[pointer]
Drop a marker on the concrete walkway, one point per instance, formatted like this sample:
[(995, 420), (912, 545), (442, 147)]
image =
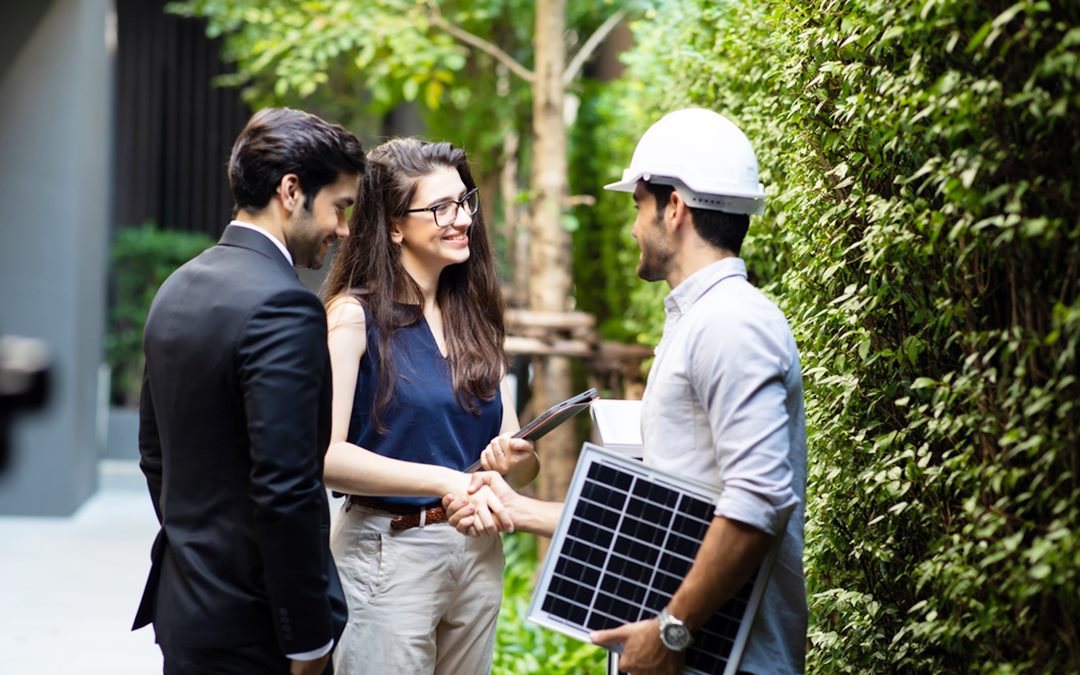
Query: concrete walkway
[(69, 587)]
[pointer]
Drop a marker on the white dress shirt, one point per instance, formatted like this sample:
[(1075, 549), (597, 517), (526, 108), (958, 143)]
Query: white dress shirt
[(724, 405), (265, 233)]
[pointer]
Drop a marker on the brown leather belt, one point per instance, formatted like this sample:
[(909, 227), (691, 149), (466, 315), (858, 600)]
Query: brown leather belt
[(405, 517)]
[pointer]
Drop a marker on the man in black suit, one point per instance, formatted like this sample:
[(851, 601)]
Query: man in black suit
[(235, 417)]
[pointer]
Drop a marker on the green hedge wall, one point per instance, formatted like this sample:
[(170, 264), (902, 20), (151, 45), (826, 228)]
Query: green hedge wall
[(142, 258), (923, 237)]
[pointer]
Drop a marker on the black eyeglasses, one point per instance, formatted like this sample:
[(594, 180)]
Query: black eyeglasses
[(446, 212)]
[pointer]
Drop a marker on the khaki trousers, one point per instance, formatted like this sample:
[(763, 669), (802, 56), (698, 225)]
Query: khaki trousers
[(421, 601)]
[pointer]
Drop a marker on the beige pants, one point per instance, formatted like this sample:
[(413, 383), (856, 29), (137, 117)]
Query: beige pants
[(421, 601)]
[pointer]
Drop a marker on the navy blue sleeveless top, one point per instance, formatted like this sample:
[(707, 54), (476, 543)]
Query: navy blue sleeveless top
[(423, 420)]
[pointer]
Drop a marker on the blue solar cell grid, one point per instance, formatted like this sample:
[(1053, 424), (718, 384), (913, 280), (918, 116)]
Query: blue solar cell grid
[(630, 540)]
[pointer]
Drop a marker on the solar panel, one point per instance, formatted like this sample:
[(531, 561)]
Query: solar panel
[(627, 538)]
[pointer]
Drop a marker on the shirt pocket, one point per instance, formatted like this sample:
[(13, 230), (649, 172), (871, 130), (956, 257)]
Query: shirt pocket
[(669, 423)]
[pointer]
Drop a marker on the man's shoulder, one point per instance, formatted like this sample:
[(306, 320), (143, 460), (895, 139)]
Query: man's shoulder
[(226, 281), (735, 302), (733, 323), (247, 272)]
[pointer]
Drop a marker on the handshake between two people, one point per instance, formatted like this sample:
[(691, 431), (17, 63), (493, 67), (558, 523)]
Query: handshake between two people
[(485, 509), (480, 497), (489, 504)]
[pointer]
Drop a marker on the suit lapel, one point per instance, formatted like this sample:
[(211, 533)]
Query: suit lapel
[(242, 237)]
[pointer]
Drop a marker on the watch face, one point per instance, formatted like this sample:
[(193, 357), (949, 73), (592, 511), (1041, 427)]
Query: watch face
[(676, 636)]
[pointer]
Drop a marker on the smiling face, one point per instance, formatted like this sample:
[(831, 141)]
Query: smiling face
[(424, 245), (311, 232), (657, 250)]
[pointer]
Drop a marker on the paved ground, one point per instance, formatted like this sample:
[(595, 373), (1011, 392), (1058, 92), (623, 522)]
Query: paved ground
[(69, 586)]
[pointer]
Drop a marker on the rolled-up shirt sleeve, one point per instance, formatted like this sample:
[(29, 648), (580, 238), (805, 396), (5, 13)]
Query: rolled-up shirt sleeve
[(739, 376)]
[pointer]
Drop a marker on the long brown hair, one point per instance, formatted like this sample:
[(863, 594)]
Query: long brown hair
[(368, 266)]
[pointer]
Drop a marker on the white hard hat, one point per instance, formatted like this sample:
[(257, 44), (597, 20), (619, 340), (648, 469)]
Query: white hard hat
[(704, 156)]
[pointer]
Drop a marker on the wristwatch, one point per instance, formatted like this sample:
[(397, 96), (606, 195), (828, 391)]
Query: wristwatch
[(673, 632)]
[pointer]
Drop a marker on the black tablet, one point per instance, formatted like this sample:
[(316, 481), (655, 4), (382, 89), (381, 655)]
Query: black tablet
[(551, 418)]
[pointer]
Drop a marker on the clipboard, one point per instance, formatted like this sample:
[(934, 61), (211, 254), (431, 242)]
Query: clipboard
[(617, 423), (551, 418)]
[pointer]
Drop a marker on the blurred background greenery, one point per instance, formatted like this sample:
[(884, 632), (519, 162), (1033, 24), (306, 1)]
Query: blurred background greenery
[(142, 258)]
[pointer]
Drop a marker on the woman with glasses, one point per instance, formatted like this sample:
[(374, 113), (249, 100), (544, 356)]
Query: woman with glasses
[(416, 334)]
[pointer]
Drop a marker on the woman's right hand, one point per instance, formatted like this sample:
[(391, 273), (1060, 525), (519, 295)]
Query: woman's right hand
[(490, 516), (463, 510), (487, 512)]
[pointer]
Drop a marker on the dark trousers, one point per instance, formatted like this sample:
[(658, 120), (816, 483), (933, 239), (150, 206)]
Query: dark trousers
[(259, 659)]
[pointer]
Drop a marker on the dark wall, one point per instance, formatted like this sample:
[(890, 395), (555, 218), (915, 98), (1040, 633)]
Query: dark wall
[(174, 128)]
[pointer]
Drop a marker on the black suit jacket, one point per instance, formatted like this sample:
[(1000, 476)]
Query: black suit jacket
[(234, 423)]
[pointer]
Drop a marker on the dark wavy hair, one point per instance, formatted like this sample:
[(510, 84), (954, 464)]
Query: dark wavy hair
[(722, 230), (277, 141), (368, 267)]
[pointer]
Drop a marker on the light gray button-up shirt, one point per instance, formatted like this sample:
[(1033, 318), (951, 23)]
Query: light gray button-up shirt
[(724, 405)]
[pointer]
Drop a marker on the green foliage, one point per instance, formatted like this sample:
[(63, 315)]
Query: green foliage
[(922, 236), (355, 60), (605, 256), (142, 258), (522, 648), (290, 47)]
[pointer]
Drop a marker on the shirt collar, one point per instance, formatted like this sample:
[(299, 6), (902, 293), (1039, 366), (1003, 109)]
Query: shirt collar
[(265, 233), (683, 297)]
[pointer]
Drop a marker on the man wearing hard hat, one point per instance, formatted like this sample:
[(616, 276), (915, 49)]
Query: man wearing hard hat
[(724, 400)]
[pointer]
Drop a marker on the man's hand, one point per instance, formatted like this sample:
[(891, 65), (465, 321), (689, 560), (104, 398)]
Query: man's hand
[(489, 516), (504, 453), (643, 653), (313, 667), (464, 513)]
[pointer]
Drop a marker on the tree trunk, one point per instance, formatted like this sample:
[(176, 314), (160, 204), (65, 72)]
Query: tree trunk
[(514, 229), (549, 242)]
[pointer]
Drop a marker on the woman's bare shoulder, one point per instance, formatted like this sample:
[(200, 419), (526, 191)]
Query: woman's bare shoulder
[(345, 309)]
